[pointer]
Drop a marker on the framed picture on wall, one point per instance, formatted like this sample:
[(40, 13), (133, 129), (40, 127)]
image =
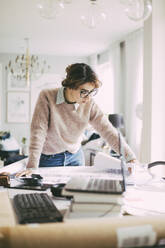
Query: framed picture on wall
[(18, 107), (16, 84)]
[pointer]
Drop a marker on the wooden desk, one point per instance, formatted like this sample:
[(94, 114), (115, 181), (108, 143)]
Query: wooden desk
[(87, 232)]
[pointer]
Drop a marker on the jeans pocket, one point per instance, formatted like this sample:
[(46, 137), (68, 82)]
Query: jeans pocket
[(51, 160), (46, 157)]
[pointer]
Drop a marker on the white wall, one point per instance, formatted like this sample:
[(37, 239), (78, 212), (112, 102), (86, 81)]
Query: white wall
[(158, 86), (19, 130), (154, 85), (0, 96)]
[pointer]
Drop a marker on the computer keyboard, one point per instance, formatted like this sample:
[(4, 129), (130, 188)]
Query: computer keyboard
[(104, 185), (95, 184), (36, 208)]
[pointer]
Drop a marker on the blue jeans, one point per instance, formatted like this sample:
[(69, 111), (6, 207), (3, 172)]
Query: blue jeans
[(62, 159)]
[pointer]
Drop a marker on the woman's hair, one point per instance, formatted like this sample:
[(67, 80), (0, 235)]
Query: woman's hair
[(78, 74)]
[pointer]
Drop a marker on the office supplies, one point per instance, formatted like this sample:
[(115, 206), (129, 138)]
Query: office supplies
[(15, 185), (33, 180), (36, 208), (56, 189)]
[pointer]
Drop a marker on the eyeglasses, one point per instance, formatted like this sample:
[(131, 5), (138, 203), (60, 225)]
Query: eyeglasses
[(85, 93)]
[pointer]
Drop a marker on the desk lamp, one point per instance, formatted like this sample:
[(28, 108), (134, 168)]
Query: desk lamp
[(117, 121)]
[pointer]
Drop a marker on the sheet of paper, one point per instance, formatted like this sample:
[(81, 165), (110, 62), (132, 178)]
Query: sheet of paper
[(105, 161), (146, 199)]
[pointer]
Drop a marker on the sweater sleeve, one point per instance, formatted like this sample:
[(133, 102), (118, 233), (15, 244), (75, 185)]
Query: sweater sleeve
[(39, 127), (103, 126)]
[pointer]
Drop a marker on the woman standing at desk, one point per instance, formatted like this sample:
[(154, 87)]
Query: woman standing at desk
[(61, 116)]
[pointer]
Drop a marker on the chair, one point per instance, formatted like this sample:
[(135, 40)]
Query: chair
[(117, 120)]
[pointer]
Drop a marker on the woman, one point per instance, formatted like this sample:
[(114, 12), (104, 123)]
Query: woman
[(61, 116)]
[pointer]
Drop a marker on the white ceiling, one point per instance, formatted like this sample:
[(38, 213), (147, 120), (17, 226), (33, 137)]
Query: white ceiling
[(64, 35)]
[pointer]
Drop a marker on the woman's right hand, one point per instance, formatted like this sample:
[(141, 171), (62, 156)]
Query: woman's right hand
[(26, 172)]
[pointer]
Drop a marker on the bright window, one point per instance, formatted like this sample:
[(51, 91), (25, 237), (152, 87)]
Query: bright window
[(105, 96)]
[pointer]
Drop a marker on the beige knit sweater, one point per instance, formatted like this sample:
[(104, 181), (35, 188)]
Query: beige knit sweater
[(58, 126)]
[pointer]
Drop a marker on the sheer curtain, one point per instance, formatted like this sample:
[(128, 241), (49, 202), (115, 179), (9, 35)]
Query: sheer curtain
[(133, 88), (120, 69), (108, 70)]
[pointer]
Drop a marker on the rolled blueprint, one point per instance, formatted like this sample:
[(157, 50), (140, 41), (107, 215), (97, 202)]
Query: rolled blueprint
[(88, 233)]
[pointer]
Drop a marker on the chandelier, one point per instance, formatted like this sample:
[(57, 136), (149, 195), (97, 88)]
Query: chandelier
[(94, 15), (50, 9), (136, 10), (27, 67)]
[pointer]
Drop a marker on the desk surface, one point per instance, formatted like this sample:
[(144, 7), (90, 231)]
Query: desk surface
[(82, 229), (62, 175)]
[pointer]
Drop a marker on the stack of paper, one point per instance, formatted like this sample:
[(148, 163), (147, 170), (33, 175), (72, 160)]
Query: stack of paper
[(104, 161), (93, 210), (147, 199), (80, 197), (96, 207)]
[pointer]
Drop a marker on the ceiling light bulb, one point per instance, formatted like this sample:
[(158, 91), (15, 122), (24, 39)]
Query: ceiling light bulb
[(94, 15), (49, 9), (137, 10)]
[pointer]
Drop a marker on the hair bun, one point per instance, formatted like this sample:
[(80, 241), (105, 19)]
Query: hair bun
[(78, 74), (68, 69), (64, 83)]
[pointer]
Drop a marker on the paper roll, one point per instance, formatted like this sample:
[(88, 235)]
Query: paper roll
[(7, 217), (88, 233)]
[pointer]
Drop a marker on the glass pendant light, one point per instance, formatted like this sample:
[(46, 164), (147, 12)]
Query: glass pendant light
[(94, 15), (137, 10), (67, 1), (50, 9)]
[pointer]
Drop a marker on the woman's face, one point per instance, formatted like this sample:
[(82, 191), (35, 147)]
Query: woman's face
[(84, 92)]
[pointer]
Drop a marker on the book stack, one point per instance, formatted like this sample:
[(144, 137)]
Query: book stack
[(91, 200), (86, 210)]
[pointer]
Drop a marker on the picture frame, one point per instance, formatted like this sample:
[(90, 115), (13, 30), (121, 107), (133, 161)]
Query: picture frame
[(14, 84), (18, 107), (47, 81)]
